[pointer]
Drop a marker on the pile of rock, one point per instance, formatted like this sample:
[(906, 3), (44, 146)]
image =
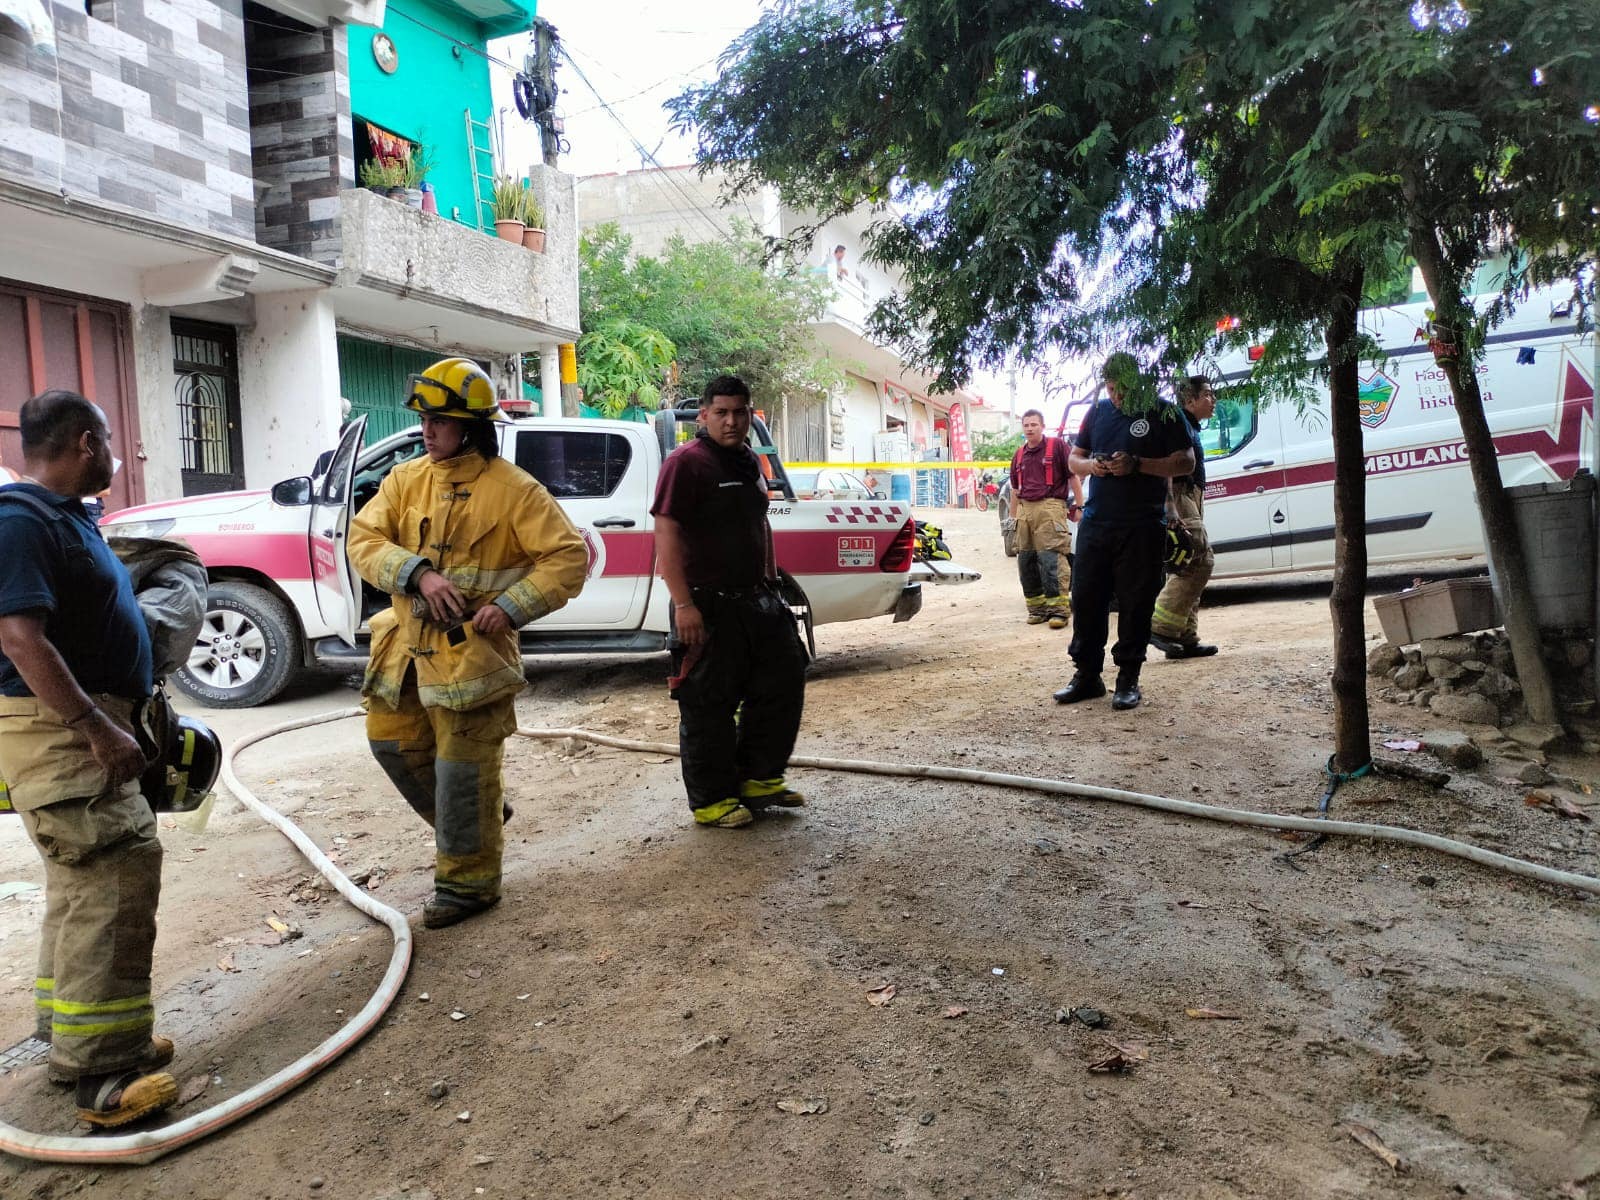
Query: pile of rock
[(1472, 677)]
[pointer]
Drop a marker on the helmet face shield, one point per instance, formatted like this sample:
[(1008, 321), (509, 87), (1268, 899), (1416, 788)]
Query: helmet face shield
[(454, 387), (428, 395)]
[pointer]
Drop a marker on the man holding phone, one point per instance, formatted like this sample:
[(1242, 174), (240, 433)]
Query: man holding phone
[(1129, 447)]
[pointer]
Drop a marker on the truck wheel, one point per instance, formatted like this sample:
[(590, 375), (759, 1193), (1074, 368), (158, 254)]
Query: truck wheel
[(247, 650)]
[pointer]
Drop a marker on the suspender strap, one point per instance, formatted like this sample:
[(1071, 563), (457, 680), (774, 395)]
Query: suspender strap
[(1049, 463)]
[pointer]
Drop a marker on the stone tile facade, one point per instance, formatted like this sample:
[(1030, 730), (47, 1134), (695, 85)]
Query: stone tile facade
[(145, 104), (300, 133)]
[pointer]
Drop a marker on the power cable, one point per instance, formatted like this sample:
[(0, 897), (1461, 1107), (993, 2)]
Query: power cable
[(666, 175)]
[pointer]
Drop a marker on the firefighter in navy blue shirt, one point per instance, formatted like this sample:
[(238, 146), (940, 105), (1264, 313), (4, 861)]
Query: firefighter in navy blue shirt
[(1128, 456), (74, 662)]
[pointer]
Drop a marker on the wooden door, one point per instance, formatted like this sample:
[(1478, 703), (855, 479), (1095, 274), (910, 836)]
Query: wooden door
[(51, 339)]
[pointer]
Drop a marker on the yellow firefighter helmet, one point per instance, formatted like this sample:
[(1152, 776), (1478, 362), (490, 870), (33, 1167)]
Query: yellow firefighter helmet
[(454, 387)]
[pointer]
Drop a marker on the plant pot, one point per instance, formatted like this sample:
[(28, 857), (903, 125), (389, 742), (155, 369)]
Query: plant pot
[(509, 231), (396, 193), (414, 198), (533, 239)]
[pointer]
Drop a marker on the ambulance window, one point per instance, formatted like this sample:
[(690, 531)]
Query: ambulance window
[(573, 464), (1229, 429)]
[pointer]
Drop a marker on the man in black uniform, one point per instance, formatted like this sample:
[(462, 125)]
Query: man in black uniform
[(736, 642), (1129, 457)]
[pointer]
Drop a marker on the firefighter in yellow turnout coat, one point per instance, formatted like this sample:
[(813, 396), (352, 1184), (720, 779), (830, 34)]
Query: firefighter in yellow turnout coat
[(471, 548)]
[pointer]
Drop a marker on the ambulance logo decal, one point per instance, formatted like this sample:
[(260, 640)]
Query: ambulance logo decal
[(1376, 399)]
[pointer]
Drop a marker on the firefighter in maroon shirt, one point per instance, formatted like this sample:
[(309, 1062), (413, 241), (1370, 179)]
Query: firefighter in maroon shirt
[(1044, 494), (735, 640)]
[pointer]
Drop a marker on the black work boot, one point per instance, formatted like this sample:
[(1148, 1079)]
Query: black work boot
[(1127, 694), (1082, 686)]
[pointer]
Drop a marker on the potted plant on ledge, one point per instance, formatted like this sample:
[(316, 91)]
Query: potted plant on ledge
[(387, 177), (508, 208), (533, 221)]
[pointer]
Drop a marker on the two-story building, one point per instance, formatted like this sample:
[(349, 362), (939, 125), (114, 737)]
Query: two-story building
[(184, 239), (885, 410)]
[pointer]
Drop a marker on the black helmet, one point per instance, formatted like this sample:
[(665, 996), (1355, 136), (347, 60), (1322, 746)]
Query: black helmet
[(184, 755)]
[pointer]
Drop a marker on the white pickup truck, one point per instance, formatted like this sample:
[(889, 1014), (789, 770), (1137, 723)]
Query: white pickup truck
[(284, 596)]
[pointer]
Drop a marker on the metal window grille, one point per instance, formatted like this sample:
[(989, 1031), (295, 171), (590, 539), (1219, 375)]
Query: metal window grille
[(205, 444)]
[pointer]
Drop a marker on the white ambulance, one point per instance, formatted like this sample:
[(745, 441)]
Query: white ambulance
[(1269, 471)]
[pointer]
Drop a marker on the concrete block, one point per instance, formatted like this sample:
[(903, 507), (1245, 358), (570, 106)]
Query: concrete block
[(1456, 649), (1466, 706), (1452, 748), (1536, 737)]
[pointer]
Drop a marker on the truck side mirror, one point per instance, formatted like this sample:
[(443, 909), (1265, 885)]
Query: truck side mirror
[(294, 493), (324, 461)]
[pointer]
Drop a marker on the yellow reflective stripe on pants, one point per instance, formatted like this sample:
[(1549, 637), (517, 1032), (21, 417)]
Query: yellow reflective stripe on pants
[(92, 1008), (105, 1028)]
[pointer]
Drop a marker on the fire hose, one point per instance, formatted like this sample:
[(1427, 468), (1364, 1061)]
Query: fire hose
[(147, 1146)]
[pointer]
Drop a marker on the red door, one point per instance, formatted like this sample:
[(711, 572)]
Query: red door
[(54, 339)]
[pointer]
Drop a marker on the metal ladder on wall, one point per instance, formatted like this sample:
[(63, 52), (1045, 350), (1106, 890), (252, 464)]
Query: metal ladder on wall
[(482, 142)]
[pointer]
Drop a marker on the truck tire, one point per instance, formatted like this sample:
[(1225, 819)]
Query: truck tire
[(247, 652)]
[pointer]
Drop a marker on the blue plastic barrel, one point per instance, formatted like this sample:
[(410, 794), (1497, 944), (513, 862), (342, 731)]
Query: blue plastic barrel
[(900, 486)]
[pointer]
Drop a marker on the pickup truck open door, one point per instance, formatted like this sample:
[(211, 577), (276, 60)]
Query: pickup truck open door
[(337, 588)]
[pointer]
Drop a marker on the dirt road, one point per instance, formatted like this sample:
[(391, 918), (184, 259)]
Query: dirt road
[(650, 993)]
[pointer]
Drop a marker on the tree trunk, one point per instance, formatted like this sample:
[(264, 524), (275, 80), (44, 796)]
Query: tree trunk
[(1352, 741), (1494, 506)]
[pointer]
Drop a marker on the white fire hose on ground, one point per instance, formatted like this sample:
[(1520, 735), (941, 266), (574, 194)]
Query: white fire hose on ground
[(148, 1146)]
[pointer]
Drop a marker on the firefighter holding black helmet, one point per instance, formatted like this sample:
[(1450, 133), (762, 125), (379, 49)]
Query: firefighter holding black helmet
[(471, 548)]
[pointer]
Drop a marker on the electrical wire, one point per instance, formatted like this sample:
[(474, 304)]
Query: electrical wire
[(648, 155)]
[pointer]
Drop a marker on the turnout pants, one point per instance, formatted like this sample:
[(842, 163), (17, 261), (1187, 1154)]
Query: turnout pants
[(1123, 561), (102, 871), (1044, 539), (447, 766), (1178, 606), (740, 697)]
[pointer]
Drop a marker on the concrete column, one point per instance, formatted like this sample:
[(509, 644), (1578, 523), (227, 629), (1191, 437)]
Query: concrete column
[(550, 381), (158, 452), (288, 385)]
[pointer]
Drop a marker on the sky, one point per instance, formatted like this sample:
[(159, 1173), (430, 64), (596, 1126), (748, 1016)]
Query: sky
[(636, 56), (623, 61)]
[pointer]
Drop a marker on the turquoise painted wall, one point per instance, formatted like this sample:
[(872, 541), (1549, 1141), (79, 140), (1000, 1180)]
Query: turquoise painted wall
[(424, 99)]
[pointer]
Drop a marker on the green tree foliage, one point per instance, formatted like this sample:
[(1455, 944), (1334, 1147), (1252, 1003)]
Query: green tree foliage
[(988, 447), (623, 364), (1017, 136), (696, 311)]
